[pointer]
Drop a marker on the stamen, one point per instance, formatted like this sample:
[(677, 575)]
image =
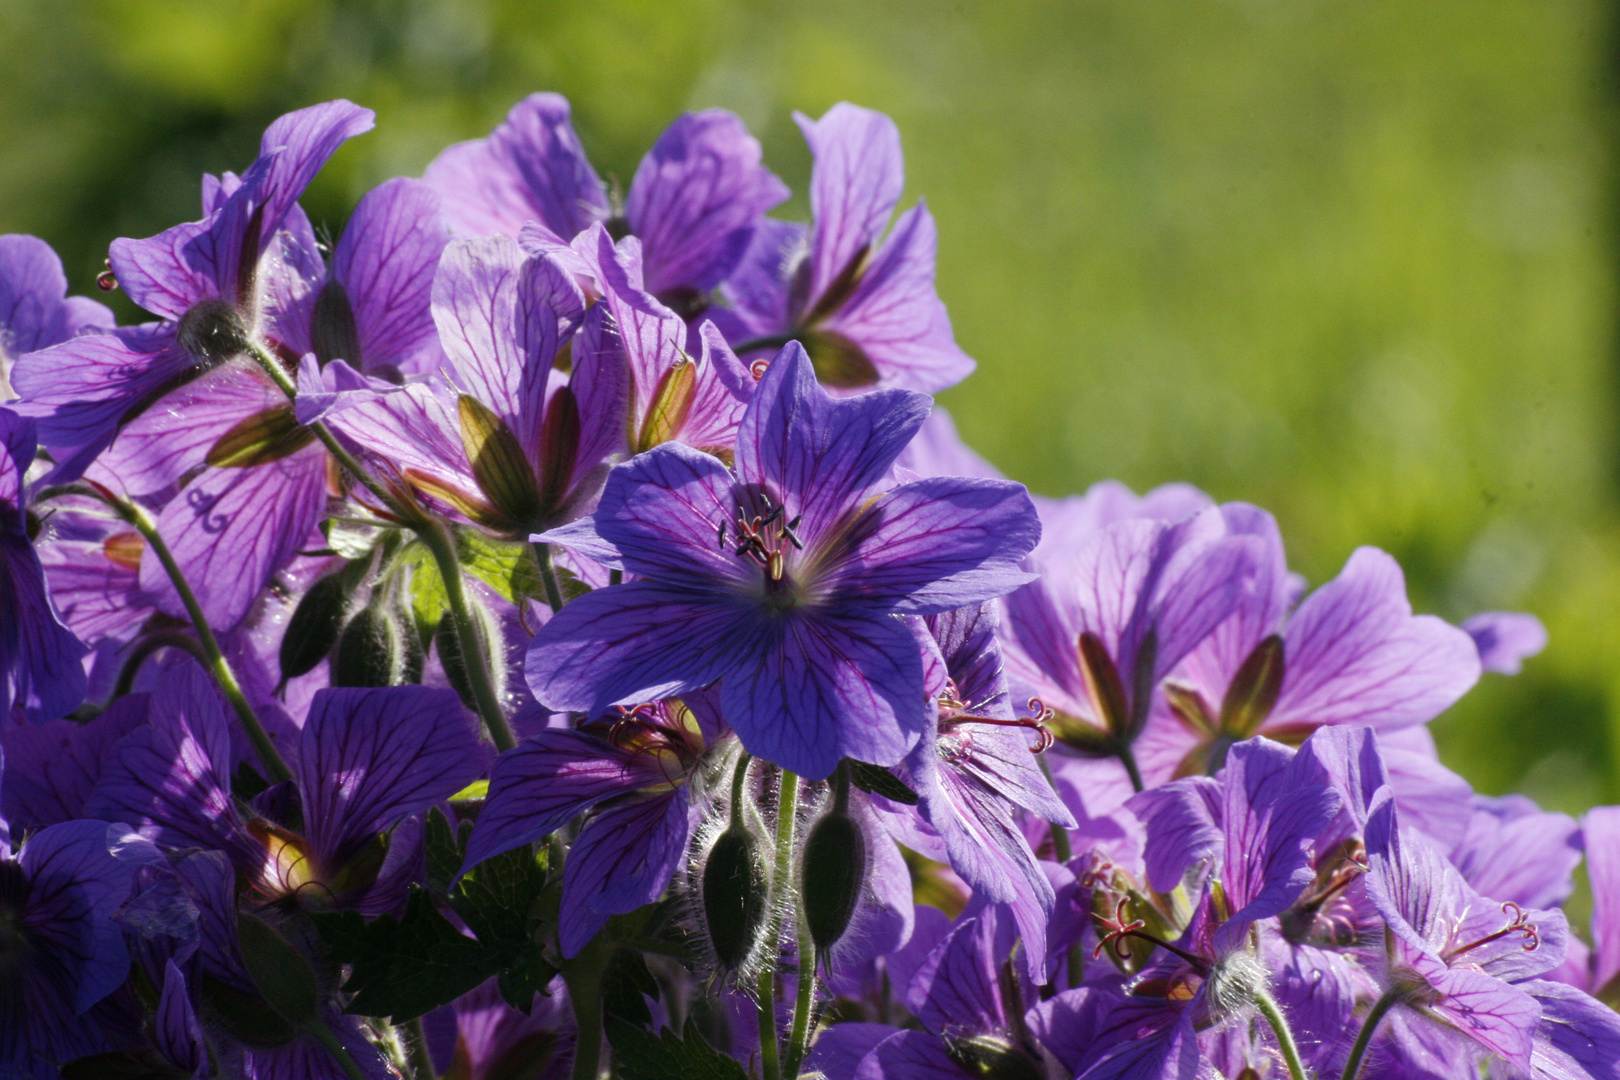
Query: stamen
[(1119, 928), (107, 281), (757, 369), (722, 533), (1520, 924)]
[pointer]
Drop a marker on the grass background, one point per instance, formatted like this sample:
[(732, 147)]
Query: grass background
[(1351, 260)]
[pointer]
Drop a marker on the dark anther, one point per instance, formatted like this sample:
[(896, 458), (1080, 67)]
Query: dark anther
[(722, 534)]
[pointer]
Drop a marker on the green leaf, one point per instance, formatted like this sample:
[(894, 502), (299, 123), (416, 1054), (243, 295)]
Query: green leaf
[(638, 1054), (284, 978), (505, 566), (402, 968), (425, 591), (497, 898), (626, 985), (879, 781), (445, 851)]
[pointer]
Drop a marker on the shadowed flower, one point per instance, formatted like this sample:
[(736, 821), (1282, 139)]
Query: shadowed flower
[(35, 310)]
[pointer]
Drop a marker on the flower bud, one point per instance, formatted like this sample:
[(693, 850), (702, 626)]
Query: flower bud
[(832, 876), (734, 895), (314, 627), (993, 1059), (283, 977), (447, 643), (370, 651), (333, 334)]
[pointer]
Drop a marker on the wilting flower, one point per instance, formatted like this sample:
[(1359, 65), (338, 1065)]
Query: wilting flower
[(645, 763), (39, 657), (369, 760), (783, 576), (866, 311), (693, 204)]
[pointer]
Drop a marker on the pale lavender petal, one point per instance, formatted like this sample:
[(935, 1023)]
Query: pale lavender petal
[(497, 334), (915, 1055), (856, 180), (897, 319), (530, 167), (820, 454), (825, 687), (386, 261), (613, 646), (1513, 850), (758, 291), (1259, 612), (956, 988), (1578, 1037), (34, 309), (158, 273), (937, 544), (1499, 1017), (1183, 827), (623, 859), (601, 385), (413, 428), (1431, 798), (695, 199), (937, 450), (721, 396), (232, 528), (1601, 830), (369, 757), (1505, 639), (1412, 885), (1355, 653)]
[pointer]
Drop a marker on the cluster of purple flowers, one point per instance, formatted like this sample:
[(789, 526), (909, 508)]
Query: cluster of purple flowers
[(550, 632)]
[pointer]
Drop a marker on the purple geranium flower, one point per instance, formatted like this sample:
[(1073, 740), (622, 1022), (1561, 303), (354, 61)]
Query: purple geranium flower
[(505, 438), (35, 310), (60, 950), (1351, 653), (40, 666), (1505, 639), (369, 761), (867, 312), (784, 576), (647, 761), (974, 771), (694, 202), (1115, 611)]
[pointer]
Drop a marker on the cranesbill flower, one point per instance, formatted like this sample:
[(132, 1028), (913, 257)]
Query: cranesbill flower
[(35, 310), (975, 770), (783, 577), (694, 202), (1351, 653), (1115, 611), (369, 760), (60, 950), (505, 439), (866, 311), (1505, 639), (212, 283), (648, 761), (39, 657)]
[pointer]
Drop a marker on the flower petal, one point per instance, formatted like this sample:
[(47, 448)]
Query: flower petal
[(855, 181), (1505, 639), (624, 858), (386, 262)]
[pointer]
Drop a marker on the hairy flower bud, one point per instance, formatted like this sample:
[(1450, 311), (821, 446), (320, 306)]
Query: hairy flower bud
[(213, 330), (370, 651), (734, 895), (832, 876), (314, 627)]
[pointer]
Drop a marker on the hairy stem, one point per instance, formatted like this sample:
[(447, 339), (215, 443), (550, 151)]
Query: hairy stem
[(322, 1033), (787, 810), (215, 661), (1285, 1035), (1352, 1064), (416, 1050), (548, 574), (800, 1034), (436, 536)]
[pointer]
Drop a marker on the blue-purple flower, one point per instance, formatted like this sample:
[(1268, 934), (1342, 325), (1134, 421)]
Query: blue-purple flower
[(784, 576)]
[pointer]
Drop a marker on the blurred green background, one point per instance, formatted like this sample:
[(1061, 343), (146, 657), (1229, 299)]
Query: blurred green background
[(1353, 261)]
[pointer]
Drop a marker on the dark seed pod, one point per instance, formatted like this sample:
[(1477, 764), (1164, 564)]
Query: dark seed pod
[(993, 1059), (370, 651), (734, 896), (314, 626), (213, 330), (832, 875), (448, 645)]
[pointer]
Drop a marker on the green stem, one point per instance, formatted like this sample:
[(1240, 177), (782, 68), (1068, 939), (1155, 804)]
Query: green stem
[(216, 663), (787, 811), (583, 976), (436, 536), (1285, 1035), (322, 1034), (548, 574), (1352, 1064), (1128, 759), (416, 1050), (801, 1005)]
